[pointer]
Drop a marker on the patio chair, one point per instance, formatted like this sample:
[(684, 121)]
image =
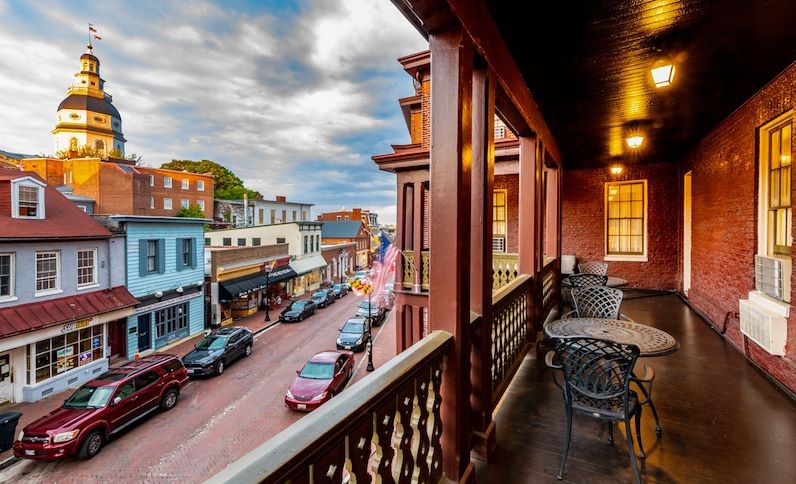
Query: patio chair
[(596, 302), (593, 267), (581, 280), (597, 375)]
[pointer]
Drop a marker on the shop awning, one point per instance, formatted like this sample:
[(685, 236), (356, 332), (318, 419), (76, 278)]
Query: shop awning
[(308, 264), (235, 288), (38, 315)]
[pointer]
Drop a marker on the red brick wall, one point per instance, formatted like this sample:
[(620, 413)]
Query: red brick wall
[(724, 228), (176, 193), (583, 219), (511, 183)]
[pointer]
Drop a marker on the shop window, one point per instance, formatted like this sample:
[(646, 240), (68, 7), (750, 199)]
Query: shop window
[(152, 256), (62, 353), (86, 267), (6, 276), (171, 322), (256, 241), (47, 268), (626, 219)]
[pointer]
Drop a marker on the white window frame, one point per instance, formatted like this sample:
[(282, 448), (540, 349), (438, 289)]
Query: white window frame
[(201, 204), (11, 296), (53, 290), (503, 242), (643, 257), (94, 280), (152, 180), (186, 184), (200, 185), (28, 182), (152, 203), (185, 203), (167, 205), (166, 182)]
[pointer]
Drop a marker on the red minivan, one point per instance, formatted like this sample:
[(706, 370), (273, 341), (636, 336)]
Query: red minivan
[(102, 407)]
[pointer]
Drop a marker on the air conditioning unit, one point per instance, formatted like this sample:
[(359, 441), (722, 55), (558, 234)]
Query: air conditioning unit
[(769, 277), (764, 327)]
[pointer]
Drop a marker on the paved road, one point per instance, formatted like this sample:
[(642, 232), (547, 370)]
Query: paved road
[(216, 420)]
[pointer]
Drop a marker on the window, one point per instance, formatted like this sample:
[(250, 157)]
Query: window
[(241, 242), (303, 215), (346, 217), (171, 322), (166, 182), (151, 255), (777, 155), (201, 204), (261, 216), (273, 216), (152, 202), (499, 223), (185, 203), (200, 185), (294, 215), (99, 146), (86, 267), (83, 208), (28, 203), (207, 241), (284, 216), (47, 272), (339, 218), (145, 379), (186, 252), (6, 275), (167, 203), (317, 243), (256, 241), (227, 241), (66, 351), (280, 240), (626, 218), (152, 180), (186, 184), (306, 244)]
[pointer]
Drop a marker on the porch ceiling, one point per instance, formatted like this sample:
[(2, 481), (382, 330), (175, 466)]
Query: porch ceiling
[(587, 65)]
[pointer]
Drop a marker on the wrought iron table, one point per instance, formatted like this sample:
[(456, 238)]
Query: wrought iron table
[(650, 341), (612, 282)]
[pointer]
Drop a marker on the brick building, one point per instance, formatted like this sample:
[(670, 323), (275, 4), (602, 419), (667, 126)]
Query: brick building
[(367, 218), (343, 232)]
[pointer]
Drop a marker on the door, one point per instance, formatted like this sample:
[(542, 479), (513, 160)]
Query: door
[(686, 233), (147, 390), (116, 338), (144, 330), (234, 346), (124, 409), (6, 383)]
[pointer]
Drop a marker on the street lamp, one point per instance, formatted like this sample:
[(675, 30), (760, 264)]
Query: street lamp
[(267, 268), (340, 266)]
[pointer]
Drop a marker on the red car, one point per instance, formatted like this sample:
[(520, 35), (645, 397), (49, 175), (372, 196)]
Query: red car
[(324, 376), (102, 407)]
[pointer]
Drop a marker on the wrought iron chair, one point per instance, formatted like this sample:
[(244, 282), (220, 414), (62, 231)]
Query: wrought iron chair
[(581, 280), (593, 267), (596, 302), (597, 375)]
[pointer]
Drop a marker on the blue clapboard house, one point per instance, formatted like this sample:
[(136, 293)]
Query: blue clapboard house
[(165, 272)]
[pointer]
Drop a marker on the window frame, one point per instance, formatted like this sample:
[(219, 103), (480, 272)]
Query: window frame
[(151, 180), (167, 182), (167, 203), (27, 182), (200, 185), (186, 184), (56, 278), (185, 203), (631, 257), (94, 279), (201, 204), (768, 227), (503, 236), (11, 296)]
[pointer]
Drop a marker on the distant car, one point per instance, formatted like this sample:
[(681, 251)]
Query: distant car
[(298, 310), (340, 290), (376, 313), (324, 376), (352, 335), (216, 350), (102, 407), (358, 276), (386, 299), (323, 297)]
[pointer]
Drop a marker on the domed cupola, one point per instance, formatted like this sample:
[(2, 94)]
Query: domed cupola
[(87, 116)]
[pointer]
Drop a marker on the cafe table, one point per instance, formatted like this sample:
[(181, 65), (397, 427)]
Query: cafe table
[(612, 282)]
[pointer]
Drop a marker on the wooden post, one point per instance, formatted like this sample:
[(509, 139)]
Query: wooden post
[(528, 244), (449, 295), (417, 234)]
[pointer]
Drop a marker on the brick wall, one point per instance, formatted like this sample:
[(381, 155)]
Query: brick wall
[(583, 219), (176, 192), (724, 212), (511, 183)]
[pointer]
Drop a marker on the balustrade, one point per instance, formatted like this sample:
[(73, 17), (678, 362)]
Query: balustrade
[(409, 269), (512, 313), (505, 268)]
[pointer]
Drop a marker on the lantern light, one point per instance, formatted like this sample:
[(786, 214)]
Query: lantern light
[(663, 75), (634, 141), (616, 170)]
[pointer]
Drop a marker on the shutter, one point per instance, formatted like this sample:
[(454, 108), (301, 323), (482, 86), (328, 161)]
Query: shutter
[(178, 247), (142, 246), (161, 256), (193, 253)]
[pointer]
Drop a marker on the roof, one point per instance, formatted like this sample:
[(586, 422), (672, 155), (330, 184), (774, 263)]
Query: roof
[(15, 156), (307, 264), (342, 229), (89, 103), (326, 356), (33, 316), (62, 218)]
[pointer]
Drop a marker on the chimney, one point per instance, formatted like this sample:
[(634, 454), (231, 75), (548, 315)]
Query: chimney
[(281, 198)]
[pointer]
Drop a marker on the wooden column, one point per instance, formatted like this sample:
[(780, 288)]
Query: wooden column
[(528, 243), (449, 296), (417, 234), (539, 203), (483, 181)]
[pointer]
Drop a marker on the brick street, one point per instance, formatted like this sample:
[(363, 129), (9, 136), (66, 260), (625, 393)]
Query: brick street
[(217, 419)]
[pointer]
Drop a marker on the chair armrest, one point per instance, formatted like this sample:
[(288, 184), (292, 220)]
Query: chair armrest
[(626, 317), (570, 314), (548, 360)]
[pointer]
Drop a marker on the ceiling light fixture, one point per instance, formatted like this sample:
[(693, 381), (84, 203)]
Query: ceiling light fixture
[(634, 141), (616, 170), (662, 73)]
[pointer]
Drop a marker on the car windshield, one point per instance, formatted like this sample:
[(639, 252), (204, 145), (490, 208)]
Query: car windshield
[(337, 287), (364, 304), (354, 327), (317, 371), (298, 305), (89, 397), (319, 294), (212, 343)]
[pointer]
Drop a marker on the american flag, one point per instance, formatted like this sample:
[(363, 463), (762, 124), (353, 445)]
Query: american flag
[(383, 264)]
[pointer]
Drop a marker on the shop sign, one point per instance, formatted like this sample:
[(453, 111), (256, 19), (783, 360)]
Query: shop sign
[(69, 327), (85, 358), (65, 359), (166, 303)]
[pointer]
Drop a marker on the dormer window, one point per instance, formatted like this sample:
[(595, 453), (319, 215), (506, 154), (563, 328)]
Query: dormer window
[(27, 198)]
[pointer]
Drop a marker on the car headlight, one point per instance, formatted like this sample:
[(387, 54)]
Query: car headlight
[(319, 397), (289, 395), (21, 435), (361, 338), (65, 436)]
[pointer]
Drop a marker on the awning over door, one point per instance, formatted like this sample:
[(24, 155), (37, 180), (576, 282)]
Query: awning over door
[(241, 286)]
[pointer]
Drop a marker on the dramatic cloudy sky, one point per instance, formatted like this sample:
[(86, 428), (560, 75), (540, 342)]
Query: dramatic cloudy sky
[(293, 96)]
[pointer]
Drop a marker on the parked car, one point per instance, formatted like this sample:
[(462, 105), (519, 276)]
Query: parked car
[(377, 314), (352, 335), (298, 310), (386, 299), (216, 350), (340, 290), (102, 407), (358, 275), (324, 376), (323, 297)]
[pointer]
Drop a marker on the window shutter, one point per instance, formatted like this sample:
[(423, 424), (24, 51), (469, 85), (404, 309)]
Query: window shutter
[(161, 256), (193, 253), (142, 246), (178, 252)]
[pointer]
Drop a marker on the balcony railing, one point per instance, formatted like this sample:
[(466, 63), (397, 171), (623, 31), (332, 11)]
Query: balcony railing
[(425, 270), (512, 313), (386, 427), (410, 266), (549, 286), (505, 267)]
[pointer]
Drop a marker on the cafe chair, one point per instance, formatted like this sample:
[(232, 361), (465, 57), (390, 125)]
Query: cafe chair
[(596, 383), (581, 280), (596, 302), (593, 267)]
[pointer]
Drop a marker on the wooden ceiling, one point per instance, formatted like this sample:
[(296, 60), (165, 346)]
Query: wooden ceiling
[(587, 64)]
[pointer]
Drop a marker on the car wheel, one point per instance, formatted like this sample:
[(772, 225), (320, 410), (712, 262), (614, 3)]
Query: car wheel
[(92, 445), (220, 367), (301, 317), (248, 350), (169, 400)]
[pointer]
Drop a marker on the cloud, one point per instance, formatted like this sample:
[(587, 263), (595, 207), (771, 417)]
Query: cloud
[(294, 98)]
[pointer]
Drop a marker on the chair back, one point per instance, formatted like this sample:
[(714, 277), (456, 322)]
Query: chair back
[(596, 371), (596, 302), (593, 267), (583, 280)]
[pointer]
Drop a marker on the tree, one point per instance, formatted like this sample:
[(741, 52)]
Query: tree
[(193, 211), (84, 151), (227, 186)]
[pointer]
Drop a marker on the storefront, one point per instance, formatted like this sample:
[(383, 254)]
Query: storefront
[(242, 296), (162, 321), (308, 270)]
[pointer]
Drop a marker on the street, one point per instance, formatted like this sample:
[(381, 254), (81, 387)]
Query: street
[(217, 419)]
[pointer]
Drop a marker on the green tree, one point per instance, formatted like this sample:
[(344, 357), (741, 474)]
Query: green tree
[(193, 211), (227, 186)]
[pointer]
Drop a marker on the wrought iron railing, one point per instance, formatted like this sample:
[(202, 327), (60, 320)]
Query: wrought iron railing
[(409, 269), (425, 271), (512, 317), (505, 267), (386, 428)]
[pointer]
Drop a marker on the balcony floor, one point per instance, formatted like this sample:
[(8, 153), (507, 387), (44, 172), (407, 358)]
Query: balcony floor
[(722, 420)]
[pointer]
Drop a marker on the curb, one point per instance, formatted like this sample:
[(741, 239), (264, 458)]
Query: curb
[(267, 326), (9, 462)]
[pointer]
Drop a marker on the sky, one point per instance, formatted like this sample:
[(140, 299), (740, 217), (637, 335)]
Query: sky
[(293, 96)]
